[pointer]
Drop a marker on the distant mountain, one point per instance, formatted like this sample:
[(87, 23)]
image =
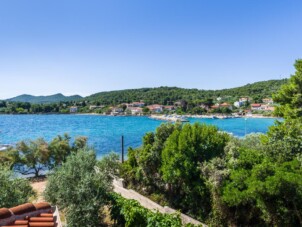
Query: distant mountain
[(44, 99)]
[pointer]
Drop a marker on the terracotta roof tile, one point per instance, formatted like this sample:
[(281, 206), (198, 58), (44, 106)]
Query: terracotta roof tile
[(5, 213), (42, 206), (24, 208), (27, 215)]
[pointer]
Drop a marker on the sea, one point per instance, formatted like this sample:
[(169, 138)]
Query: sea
[(105, 132)]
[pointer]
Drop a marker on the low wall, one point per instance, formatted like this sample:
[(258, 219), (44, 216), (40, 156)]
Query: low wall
[(149, 204)]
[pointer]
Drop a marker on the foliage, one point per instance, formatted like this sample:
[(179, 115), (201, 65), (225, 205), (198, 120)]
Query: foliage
[(290, 95), (128, 212), (189, 99), (184, 151), (80, 187), (35, 156), (264, 192), (169, 95), (14, 191), (168, 161), (109, 166)]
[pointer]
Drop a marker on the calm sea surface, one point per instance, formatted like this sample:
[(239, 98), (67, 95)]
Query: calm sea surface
[(104, 132)]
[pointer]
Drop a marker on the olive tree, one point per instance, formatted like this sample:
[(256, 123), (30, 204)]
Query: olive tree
[(13, 191), (35, 156), (80, 187)]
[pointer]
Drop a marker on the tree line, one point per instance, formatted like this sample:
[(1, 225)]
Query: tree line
[(169, 95), (189, 99)]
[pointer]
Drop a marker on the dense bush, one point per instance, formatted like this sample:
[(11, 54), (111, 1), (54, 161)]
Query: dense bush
[(168, 165), (13, 191), (129, 213), (80, 187)]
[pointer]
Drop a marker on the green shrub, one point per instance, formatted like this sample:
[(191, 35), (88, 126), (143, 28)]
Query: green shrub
[(13, 191), (79, 188), (130, 213)]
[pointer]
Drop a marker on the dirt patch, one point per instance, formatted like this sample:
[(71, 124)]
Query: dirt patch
[(39, 187)]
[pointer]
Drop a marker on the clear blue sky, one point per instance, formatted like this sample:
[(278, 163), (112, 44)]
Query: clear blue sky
[(83, 47)]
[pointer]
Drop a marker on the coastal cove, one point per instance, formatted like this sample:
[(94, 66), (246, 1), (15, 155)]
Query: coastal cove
[(104, 132)]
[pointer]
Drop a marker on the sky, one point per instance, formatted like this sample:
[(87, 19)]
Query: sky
[(88, 46)]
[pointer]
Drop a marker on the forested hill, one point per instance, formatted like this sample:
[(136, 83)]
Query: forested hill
[(168, 95), (44, 99)]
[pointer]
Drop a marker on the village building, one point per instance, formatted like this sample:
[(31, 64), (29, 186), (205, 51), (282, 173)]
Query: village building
[(244, 99), (117, 111), (135, 110), (169, 108), (268, 101), (255, 106), (226, 105), (135, 104), (93, 107), (237, 104), (73, 109), (156, 108)]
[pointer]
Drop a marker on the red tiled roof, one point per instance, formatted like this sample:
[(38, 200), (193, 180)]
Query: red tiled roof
[(5, 213), (24, 208), (28, 214), (255, 105)]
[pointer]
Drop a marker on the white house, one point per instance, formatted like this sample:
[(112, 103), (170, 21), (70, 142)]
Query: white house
[(135, 110), (237, 104), (73, 109), (268, 101), (244, 99)]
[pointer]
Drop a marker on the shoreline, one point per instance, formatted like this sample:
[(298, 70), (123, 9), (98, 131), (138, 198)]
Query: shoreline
[(175, 118), (157, 116)]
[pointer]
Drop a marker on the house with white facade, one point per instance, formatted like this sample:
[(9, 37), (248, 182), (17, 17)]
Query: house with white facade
[(73, 109)]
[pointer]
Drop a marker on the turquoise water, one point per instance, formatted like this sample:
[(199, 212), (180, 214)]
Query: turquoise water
[(104, 132)]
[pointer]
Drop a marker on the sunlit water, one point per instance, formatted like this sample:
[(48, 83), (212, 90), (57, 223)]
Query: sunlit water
[(104, 132)]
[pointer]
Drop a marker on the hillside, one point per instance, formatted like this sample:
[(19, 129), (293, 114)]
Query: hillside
[(44, 99), (168, 95)]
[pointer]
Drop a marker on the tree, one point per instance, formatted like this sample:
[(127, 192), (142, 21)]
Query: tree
[(35, 156), (80, 187), (146, 110), (14, 191), (30, 157), (289, 96), (184, 151)]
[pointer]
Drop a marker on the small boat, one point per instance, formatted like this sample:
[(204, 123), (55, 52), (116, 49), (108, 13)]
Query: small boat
[(182, 119), (4, 147)]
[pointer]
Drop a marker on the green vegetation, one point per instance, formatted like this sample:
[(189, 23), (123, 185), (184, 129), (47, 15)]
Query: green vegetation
[(80, 188), (28, 108), (186, 100), (208, 174), (226, 181), (290, 95), (130, 213), (169, 95), (14, 191), (32, 157), (44, 99), (169, 164)]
